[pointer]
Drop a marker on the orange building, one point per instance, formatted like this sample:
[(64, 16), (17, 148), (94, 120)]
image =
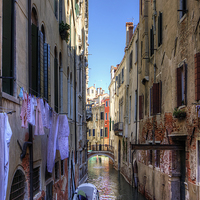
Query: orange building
[(106, 103)]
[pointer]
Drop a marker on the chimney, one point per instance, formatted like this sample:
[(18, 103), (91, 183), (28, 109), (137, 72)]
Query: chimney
[(129, 32)]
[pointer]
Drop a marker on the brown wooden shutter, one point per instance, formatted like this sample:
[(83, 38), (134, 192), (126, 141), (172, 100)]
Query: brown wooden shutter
[(151, 101), (141, 103), (155, 98), (179, 86), (197, 76)]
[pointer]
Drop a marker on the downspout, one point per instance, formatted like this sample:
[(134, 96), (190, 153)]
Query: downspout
[(30, 86), (154, 50), (75, 103)]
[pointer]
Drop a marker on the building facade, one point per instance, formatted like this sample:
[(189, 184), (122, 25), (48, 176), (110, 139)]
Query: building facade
[(34, 55)]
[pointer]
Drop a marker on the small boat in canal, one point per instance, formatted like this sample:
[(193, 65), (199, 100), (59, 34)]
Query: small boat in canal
[(86, 191)]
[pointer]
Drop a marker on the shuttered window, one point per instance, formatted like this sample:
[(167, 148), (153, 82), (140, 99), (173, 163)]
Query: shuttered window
[(197, 76), (34, 86), (56, 8), (36, 180), (151, 42), (160, 29), (93, 132), (60, 11), (89, 132), (7, 46), (101, 132), (56, 84), (46, 70), (155, 98), (102, 115), (141, 106), (130, 60), (49, 191), (181, 78), (106, 132)]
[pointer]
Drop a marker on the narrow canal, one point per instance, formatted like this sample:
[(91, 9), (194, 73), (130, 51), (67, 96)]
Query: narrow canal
[(110, 183)]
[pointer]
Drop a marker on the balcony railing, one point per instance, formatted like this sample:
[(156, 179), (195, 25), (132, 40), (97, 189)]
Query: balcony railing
[(100, 147), (118, 128)]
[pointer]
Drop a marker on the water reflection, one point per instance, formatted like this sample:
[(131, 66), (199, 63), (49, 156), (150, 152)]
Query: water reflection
[(109, 182)]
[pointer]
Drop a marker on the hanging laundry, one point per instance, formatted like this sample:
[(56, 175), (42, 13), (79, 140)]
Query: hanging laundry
[(7, 137), (21, 93), (43, 112), (46, 123), (51, 147), (2, 155), (62, 138), (23, 115), (39, 129)]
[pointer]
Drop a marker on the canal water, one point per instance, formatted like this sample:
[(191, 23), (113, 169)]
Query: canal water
[(110, 183)]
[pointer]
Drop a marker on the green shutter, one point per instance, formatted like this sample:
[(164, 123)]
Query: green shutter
[(34, 87), (7, 65)]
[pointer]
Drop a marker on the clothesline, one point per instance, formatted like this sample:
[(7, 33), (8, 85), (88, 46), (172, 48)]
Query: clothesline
[(25, 86)]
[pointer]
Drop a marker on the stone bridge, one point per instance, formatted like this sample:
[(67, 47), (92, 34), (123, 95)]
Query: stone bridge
[(101, 150)]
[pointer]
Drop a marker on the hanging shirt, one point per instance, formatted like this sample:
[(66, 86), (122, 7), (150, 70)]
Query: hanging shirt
[(47, 122), (23, 114), (2, 155), (63, 134), (43, 112), (8, 134), (51, 147), (39, 129)]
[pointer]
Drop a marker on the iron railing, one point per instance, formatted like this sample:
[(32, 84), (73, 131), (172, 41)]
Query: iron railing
[(100, 147)]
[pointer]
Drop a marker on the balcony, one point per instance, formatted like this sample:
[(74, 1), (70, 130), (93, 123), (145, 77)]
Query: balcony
[(118, 129)]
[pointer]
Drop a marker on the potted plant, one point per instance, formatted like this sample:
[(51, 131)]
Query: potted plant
[(63, 29), (181, 114)]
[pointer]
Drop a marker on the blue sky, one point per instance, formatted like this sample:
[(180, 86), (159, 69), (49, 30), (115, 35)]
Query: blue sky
[(107, 36)]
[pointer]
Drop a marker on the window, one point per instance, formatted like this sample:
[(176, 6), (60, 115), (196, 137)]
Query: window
[(197, 76), (93, 132), (80, 158), (157, 158), (96, 117), (102, 115), (47, 174), (136, 51), (92, 91), (55, 80), (77, 8), (181, 85), (60, 11), (160, 29), (182, 10), (141, 106), (155, 98), (135, 110), (101, 132), (151, 42), (89, 132), (62, 167), (18, 186), (7, 47), (56, 8), (119, 80), (49, 191), (106, 103), (150, 157), (106, 116), (106, 132), (57, 173), (130, 60), (36, 180)]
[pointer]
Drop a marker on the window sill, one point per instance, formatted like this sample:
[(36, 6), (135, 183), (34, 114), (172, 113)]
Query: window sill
[(10, 98)]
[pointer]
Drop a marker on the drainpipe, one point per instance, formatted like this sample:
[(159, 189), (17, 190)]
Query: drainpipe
[(75, 103), (154, 50), (30, 86)]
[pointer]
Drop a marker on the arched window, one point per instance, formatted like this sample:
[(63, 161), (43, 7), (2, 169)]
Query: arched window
[(18, 186)]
